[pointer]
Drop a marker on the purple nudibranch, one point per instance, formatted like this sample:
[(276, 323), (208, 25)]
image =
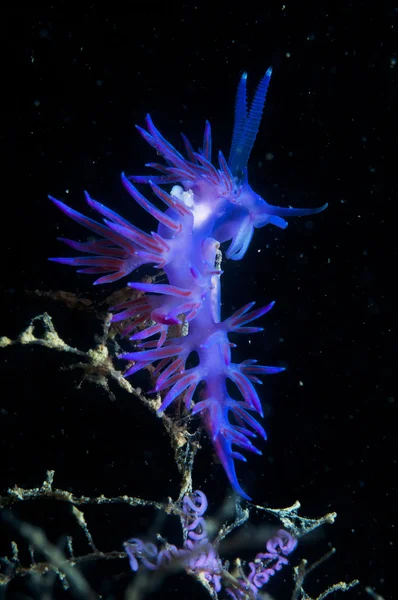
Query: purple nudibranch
[(209, 206)]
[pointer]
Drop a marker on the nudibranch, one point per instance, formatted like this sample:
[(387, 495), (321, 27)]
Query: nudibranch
[(206, 206)]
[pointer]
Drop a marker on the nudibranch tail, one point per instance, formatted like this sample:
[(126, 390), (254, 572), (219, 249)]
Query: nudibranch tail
[(169, 322)]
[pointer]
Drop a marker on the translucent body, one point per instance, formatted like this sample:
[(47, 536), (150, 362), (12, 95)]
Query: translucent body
[(210, 206)]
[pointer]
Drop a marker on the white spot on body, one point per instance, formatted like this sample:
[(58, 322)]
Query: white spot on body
[(186, 197)]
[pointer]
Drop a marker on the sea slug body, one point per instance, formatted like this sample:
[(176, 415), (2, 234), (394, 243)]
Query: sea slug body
[(207, 206)]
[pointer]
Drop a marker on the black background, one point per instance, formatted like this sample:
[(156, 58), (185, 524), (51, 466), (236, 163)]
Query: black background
[(76, 78)]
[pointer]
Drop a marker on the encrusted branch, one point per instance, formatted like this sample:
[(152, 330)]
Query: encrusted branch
[(98, 368)]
